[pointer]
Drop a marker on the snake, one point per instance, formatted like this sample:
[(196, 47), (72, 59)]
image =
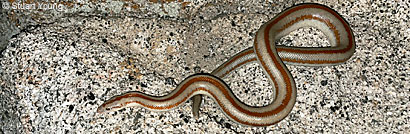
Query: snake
[(270, 57)]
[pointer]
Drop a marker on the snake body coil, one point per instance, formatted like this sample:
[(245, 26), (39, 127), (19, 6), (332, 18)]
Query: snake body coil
[(270, 57)]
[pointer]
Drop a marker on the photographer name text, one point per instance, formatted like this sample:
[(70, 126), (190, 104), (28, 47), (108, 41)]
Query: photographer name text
[(33, 6)]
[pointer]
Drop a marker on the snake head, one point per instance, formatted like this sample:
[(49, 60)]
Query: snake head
[(110, 106), (120, 102)]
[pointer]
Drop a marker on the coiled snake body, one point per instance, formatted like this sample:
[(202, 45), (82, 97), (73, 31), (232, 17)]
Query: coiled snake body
[(270, 57)]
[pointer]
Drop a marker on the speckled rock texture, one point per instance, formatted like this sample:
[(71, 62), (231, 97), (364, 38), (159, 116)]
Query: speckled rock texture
[(59, 66)]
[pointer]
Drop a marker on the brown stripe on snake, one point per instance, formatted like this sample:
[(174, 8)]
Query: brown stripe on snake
[(238, 65), (236, 57), (327, 22), (218, 84), (311, 17), (270, 75)]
